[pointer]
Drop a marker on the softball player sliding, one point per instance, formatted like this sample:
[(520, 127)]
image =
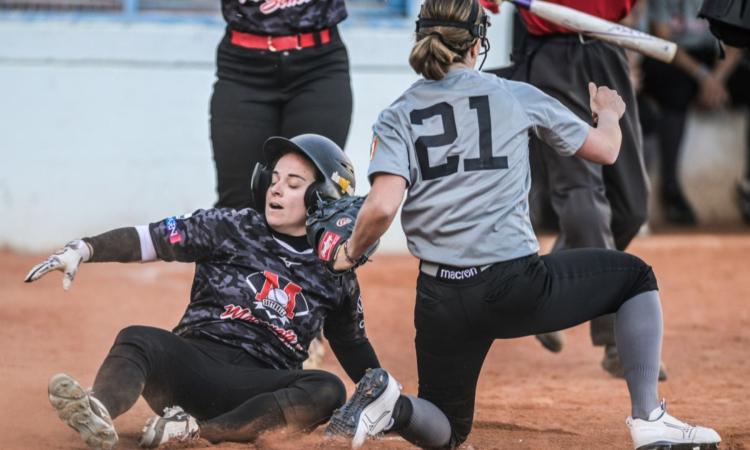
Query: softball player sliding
[(456, 143), (231, 368)]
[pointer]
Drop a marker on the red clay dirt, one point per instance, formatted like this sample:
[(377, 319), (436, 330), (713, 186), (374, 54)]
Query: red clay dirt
[(527, 398)]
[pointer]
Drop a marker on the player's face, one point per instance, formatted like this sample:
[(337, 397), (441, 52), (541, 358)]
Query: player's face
[(285, 198)]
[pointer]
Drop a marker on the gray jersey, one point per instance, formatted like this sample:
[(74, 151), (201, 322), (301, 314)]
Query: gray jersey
[(462, 145)]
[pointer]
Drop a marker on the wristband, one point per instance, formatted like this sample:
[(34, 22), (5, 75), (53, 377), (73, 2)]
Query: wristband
[(351, 260)]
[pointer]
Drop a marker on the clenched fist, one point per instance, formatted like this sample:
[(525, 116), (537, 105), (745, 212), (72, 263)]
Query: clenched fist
[(605, 100)]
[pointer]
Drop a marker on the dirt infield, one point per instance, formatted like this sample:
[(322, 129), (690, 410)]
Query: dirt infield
[(527, 398)]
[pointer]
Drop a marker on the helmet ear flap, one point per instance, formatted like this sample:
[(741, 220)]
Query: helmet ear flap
[(259, 183), (312, 195)]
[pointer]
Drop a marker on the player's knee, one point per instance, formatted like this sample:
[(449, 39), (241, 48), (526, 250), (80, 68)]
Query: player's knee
[(646, 280), (327, 389), (137, 335)]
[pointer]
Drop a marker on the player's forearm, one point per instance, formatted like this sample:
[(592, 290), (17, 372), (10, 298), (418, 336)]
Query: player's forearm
[(377, 213), (355, 357), (372, 222), (725, 67), (602, 145), (690, 65), (119, 245)]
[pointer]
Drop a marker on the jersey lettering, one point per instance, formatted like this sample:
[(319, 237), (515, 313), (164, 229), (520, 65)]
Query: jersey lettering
[(485, 161), (423, 143)]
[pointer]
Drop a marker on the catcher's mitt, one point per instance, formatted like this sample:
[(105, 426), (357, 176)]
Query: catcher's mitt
[(330, 224)]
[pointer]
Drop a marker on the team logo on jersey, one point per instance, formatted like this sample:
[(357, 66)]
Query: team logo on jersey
[(269, 6), (344, 221), (327, 243), (174, 234), (374, 145), (289, 263), (278, 298)]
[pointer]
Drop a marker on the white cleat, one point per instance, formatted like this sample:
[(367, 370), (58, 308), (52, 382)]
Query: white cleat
[(664, 432), (82, 412), (174, 426), (369, 411)]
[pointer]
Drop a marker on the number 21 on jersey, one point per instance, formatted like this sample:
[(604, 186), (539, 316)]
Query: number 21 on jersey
[(486, 161)]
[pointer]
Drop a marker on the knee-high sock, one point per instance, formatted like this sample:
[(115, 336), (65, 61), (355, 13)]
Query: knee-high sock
[(118, 384), (638, 330), (421, 423)]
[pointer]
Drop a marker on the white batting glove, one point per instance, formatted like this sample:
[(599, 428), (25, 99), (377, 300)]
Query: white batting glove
[(66, 260)]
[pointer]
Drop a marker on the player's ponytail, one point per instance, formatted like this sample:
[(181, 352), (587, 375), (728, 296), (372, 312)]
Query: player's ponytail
[(437, 47)]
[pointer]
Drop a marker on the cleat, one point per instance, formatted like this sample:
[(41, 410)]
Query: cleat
[(368, 412), (174, 426), (553, 341), (664, 432), (82, 412)]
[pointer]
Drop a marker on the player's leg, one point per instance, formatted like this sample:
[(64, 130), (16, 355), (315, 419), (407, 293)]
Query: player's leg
[(566, 288), (673, 90), (318, 96), (244, 113), (450, 354), (739, 92), (299, 400), (197, 385), (119, 382)]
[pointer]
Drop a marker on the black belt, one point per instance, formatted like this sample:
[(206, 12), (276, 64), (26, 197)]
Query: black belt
[(451, 273)]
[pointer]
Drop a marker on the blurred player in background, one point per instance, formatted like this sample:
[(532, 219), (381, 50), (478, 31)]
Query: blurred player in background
[(282, 70), (597, 206), (456, 143), (231, 369), (699, 77)]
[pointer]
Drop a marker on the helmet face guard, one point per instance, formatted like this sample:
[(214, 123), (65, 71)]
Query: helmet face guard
[(334, 170)]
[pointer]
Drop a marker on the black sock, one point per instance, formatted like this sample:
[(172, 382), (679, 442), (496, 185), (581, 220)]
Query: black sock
[(401, 413)]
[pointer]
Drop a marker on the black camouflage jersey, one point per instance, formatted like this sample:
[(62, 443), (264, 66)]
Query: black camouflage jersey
[(282, 17), (254, 291)]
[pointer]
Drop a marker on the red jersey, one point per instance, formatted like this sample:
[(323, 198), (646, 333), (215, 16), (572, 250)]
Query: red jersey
[(612, 10)]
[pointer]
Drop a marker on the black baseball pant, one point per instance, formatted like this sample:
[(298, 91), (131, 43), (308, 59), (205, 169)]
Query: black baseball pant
[(233, 396), (260, 94), (457, 321)]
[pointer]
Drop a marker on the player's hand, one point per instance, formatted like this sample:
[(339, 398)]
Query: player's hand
[(66, 260), (712, 94), (604, 100)]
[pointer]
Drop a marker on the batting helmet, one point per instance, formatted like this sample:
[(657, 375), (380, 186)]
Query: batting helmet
[(729, 20), (335, 177)]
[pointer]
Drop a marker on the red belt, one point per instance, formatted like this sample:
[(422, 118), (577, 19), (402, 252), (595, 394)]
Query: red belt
[(280, 43)]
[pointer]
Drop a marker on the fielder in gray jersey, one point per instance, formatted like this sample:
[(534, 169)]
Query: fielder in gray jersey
[(456, 143), (467, 203)]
